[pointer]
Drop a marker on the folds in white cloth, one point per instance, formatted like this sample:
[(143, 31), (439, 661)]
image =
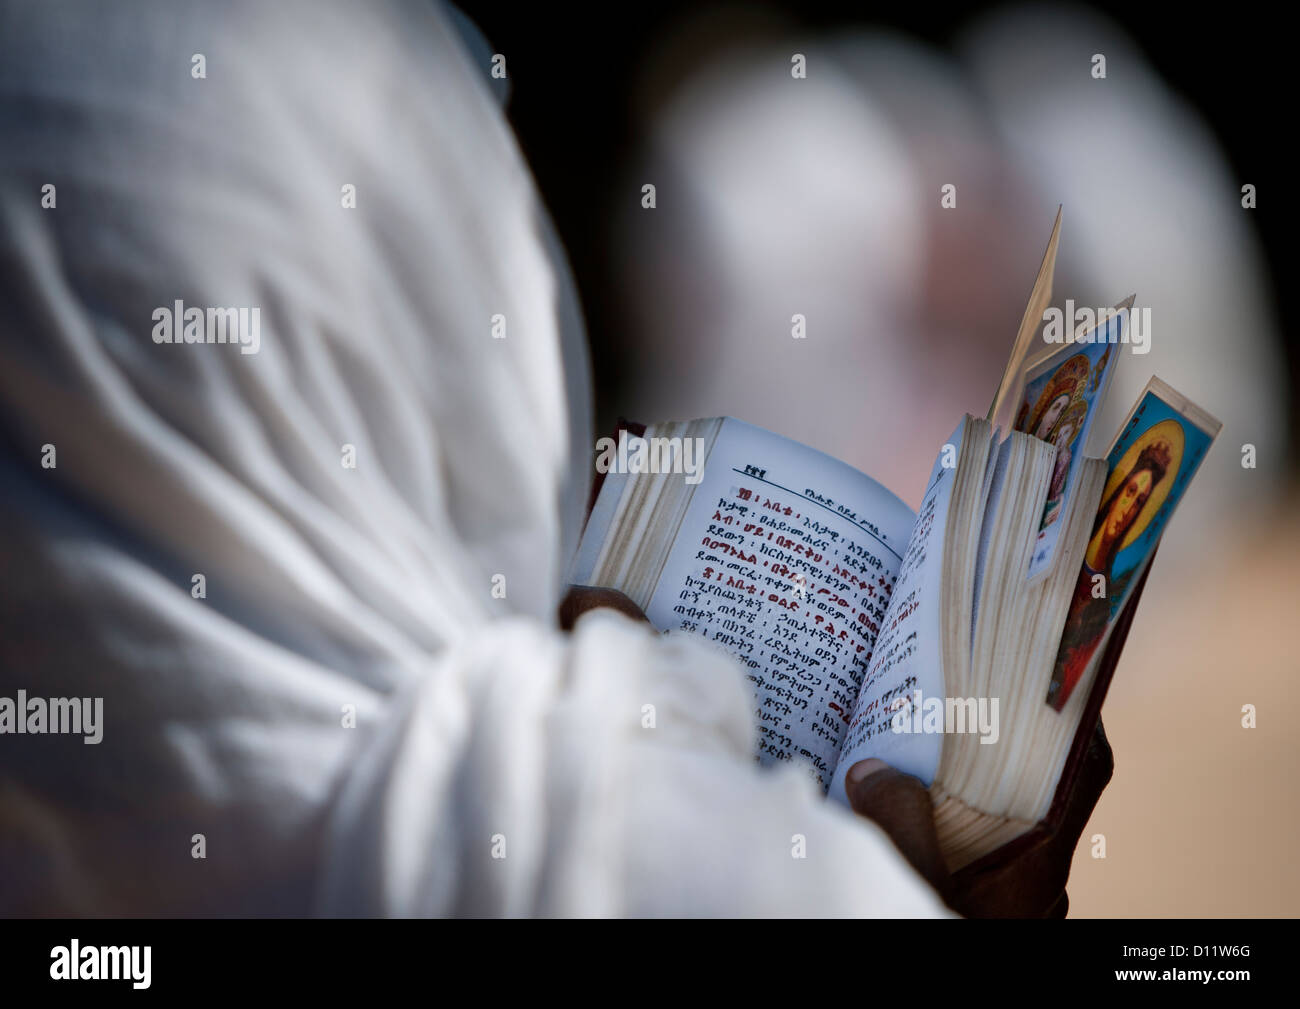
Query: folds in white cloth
[(332, 593)]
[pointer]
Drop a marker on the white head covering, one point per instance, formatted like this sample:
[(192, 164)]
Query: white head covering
[(481, 730)]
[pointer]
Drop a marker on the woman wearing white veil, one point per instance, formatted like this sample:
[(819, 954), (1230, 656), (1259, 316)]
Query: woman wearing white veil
[(315, 585)]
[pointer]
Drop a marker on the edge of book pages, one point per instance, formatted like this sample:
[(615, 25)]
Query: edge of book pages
[(1045, 829)]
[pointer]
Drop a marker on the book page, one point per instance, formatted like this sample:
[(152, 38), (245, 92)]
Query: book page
[(786, 559), (596, 530), (995, 479), (1039, 298), (908, 655)]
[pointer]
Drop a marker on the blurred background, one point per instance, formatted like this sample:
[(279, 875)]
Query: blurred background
[(820, 196)]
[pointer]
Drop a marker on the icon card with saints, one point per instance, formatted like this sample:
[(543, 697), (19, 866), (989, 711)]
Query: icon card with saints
[(1156, 454), (1063, 392)]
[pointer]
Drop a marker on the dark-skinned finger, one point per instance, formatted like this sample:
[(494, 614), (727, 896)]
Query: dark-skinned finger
[(900, 805), (581, 598)]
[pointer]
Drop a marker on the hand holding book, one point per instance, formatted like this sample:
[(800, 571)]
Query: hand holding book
[(970, 643), (1029, 883)]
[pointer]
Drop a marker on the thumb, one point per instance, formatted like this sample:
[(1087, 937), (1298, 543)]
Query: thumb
[(582, 598), (899, 804)]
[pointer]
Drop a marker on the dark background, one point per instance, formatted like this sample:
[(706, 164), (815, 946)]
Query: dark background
[(573, 71)]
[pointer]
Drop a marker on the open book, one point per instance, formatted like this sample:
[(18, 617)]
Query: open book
[(968, 643)]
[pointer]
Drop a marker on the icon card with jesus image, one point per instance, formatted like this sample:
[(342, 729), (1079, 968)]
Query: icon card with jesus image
[(1157, 453), (1064, 390)]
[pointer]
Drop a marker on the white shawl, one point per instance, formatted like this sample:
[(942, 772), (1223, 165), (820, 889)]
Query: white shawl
[(496, 766)]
